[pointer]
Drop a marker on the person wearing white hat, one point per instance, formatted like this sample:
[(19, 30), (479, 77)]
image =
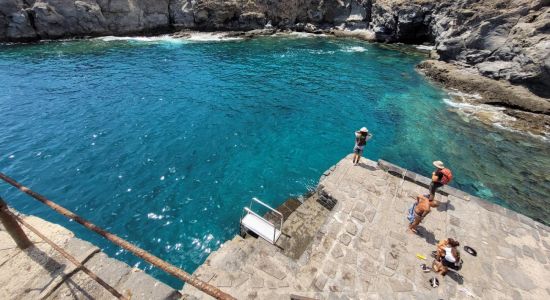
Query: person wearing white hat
[(361, 138), (440, 177)]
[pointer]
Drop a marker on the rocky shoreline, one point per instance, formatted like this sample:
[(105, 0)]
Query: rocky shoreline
[(503, 44), (523, 110)]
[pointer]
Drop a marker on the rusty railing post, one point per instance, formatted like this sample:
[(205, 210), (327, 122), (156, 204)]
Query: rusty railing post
[(12, 227)]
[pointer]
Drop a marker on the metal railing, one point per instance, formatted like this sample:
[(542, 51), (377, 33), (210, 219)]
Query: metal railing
[(249, 210), (137, 251)]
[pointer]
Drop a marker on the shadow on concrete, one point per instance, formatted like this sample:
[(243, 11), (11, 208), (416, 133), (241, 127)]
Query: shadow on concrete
[(364, 165), (445, 206), (77, 292), (427, 235), (456, 277), (53, 267)]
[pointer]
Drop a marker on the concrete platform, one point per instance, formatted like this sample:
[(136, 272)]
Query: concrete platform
[(361, 250), (40, 272)]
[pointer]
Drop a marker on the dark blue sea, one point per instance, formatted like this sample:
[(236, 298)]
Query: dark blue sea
[(164, 141)]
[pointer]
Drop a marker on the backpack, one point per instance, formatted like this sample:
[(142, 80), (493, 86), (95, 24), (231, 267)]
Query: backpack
[(447, 176)]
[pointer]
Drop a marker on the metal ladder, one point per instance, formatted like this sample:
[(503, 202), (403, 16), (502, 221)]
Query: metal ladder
[(259, 225)]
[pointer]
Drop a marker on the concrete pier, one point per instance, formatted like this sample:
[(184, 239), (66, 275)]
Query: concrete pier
[(349, 241), (39, 272)]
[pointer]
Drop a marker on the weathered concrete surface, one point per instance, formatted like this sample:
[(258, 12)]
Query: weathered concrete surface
[(40, 272), (362, 250)]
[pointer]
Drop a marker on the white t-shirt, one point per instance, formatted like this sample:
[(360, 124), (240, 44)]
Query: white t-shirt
[(449, 255)]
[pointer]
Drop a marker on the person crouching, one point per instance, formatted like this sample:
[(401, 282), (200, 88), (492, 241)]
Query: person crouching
[(417, 213), (447, 257)]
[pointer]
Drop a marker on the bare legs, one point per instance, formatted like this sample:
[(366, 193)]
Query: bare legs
[(357, 157), (439, 268), (412, 227)]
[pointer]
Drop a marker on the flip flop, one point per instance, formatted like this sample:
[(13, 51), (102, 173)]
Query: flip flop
[(434, 282), (470, 250), (425, 268)]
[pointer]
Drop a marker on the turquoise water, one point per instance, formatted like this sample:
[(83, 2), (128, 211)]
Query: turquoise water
[(163, 142)]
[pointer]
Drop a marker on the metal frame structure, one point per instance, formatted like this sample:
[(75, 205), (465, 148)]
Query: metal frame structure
[(257, 224)]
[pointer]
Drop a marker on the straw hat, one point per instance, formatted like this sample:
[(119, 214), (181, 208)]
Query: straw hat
[(364, 129), (439, 164)]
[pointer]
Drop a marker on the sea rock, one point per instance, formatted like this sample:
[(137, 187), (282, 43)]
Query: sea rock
[(15, 21), (500, 39), (182, 13), (503, 40)]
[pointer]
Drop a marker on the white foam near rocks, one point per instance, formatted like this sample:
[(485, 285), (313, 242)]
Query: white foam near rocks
[(210, 37), (300, 34), (489, 114), (354, 49), (192, 36), (147, 39), (424, 47), (465, 96)]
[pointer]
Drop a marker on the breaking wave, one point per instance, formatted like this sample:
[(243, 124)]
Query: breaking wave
[(146, 39), (191, 37), (491, 115)]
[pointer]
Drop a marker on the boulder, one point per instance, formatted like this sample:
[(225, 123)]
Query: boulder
[(15, 22), (19, 26)]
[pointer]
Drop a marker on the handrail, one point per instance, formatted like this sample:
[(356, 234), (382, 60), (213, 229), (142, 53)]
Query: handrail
[(260, 217), (137, 251), (273, 210), (72, 259)]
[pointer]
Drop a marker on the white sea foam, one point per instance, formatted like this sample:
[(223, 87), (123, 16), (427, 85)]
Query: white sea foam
[(320, 52), (472, 107), (488, 114), (354, 49), (465, 96), (210, 37), (146, 39), (300, 34), (192, 37), (424, 47)]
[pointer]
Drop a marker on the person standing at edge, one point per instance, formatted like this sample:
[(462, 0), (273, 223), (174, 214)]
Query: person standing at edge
[(361, 138), (440, 177)]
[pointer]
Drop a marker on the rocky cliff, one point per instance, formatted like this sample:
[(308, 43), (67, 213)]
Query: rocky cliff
[(500, 39)]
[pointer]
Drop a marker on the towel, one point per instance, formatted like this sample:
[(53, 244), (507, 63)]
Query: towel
[(411, 214)]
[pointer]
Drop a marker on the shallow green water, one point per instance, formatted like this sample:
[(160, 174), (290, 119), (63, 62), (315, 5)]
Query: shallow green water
[(163, 142)]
